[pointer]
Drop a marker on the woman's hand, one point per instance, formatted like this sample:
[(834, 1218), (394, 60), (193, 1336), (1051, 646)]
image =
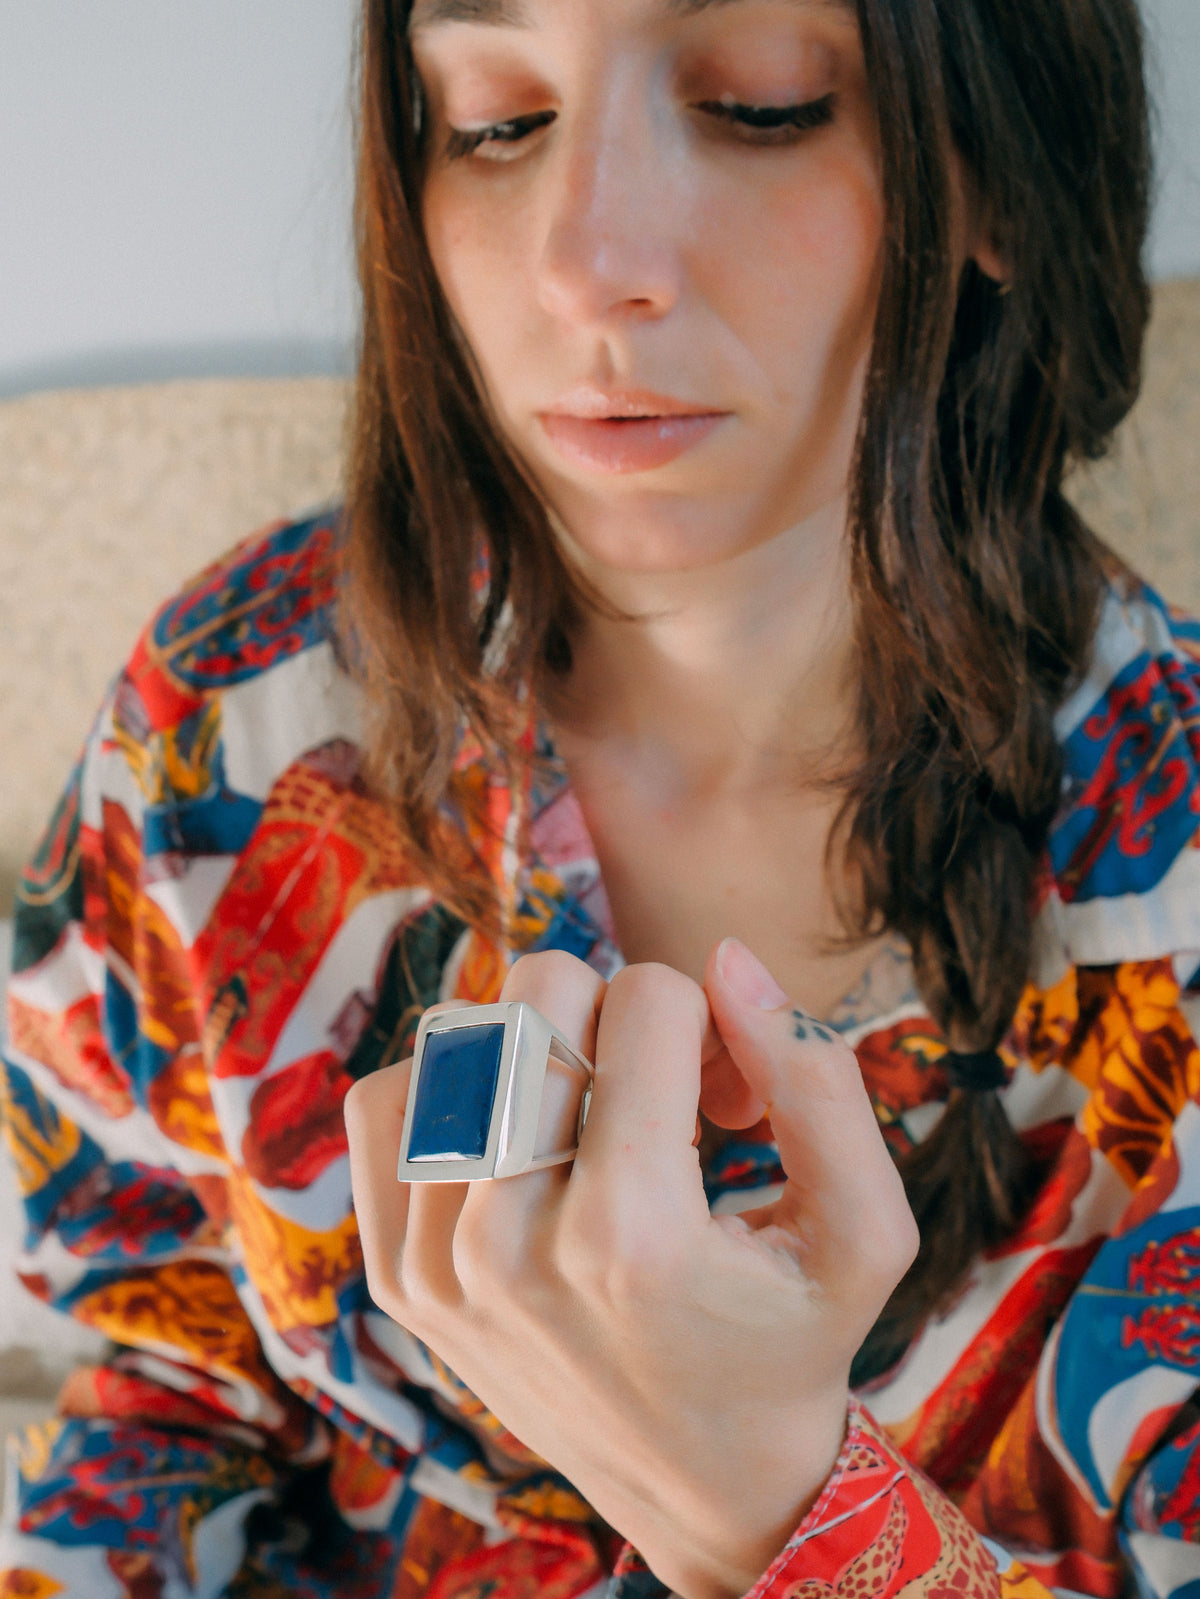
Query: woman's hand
[(688, 1374)]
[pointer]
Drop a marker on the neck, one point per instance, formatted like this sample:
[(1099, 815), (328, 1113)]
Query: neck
[(724, 677)]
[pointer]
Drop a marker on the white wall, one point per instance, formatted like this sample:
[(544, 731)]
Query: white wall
[(1173, 27), (174, 188), (175, 184)]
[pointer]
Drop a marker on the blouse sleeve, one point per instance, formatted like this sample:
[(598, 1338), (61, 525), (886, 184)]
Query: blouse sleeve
[(185, 1464), (881, 1528), (186, 1426)]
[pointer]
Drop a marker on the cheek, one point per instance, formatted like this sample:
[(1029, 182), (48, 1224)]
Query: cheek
[(481, 265), (801, 264)]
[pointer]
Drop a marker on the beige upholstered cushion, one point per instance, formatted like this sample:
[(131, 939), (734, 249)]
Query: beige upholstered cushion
[(109, 498), (1145, 498)]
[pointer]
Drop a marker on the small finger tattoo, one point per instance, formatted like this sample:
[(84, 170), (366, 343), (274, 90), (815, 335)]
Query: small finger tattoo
[(805, 1027)]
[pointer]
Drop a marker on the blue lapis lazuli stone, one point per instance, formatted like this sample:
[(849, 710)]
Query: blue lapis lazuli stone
[(453, 1111)]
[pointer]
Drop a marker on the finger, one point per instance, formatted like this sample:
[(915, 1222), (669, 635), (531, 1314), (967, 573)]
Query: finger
[(569, 995), (428, 1279), (566, 991), (637, 1149), (491, 1235), (374, 1112), (726, 1098), (444, 1005), (844, 1198)]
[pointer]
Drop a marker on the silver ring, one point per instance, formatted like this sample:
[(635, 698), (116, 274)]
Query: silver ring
[(496, 1090)]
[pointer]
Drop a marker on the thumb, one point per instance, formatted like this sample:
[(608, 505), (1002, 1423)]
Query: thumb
[(844, 1196)]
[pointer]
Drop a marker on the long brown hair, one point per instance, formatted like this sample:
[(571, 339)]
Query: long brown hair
[(977, 586)]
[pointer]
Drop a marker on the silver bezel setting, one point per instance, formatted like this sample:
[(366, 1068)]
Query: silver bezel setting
[(529, 1042)]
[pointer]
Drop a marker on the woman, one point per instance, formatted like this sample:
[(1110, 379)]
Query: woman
[(715, 634)]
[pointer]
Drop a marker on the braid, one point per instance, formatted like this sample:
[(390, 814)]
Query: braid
[(977, 585), (949, 816), (957, 880)]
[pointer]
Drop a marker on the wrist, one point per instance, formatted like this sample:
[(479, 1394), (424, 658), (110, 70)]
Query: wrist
[(727, 1549)]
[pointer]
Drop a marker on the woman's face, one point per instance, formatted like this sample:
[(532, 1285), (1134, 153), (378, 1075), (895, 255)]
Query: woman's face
[(659, 224)]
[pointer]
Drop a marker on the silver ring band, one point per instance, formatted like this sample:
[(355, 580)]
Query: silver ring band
[(496, 1090)]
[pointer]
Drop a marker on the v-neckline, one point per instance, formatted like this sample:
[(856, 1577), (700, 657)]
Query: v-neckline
[(886, 984)]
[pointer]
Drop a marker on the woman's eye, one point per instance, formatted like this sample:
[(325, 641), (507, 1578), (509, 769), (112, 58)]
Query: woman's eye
[(770, 124), (499, 141), (754, 124)]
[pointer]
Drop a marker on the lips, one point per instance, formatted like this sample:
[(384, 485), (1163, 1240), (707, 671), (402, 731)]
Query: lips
[(625, 431)]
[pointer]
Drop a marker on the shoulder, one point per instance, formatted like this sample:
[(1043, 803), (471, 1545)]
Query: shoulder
[(232, 678), (270, 599), (1123, 879), (234, 681)]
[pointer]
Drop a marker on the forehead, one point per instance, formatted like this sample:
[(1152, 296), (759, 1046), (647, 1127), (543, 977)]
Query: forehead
[(516, 13)]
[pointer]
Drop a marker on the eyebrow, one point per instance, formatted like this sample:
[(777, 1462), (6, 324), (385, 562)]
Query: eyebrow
[(511, 14)]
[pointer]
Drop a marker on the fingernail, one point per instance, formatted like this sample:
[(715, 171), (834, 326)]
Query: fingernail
[(747, 976)]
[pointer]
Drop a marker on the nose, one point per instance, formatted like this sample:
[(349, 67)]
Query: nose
[(610, 250)]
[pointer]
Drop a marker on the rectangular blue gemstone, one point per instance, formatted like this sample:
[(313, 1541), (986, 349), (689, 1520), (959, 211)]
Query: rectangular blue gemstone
[(453, 1111)]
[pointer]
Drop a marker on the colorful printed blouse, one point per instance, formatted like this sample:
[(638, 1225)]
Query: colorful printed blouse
[(222, 930)]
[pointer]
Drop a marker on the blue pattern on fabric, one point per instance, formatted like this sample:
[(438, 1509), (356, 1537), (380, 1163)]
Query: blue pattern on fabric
[(267, 605), (1131, 1312), (1132, 789)]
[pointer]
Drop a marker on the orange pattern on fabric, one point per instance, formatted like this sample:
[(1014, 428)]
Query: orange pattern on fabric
[(1141, 1058), (296, 1269), (1016, 1583), (1119, 1032), (1045, 1023), (21, 1583), (900, 1069), (545, 1560), (482, 971), (357, 1480), (181, 1103), (187, 1308), (951, 1434), (72, 1045), (437, 1536), (167, 996), (1023, 1497), (163, 765), (881, 1530), (39, 1147), (120, 864), (551, 1499), (320, 849)]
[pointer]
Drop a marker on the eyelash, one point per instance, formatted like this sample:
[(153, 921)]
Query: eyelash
[(760, 125)]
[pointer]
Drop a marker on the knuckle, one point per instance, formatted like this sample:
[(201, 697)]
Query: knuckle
[(616, 1264), (574, 1247), (478, 1258), (832, 1072), (443, 1007), (653, 982), (384, 1274), (890, 1247), (542, 971), (375, 1100), (359, 1103), (416, 1288), (635, 1274), (908, 1237)]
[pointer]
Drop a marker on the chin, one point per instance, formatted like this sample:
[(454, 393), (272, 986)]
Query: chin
[(631, 541)]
